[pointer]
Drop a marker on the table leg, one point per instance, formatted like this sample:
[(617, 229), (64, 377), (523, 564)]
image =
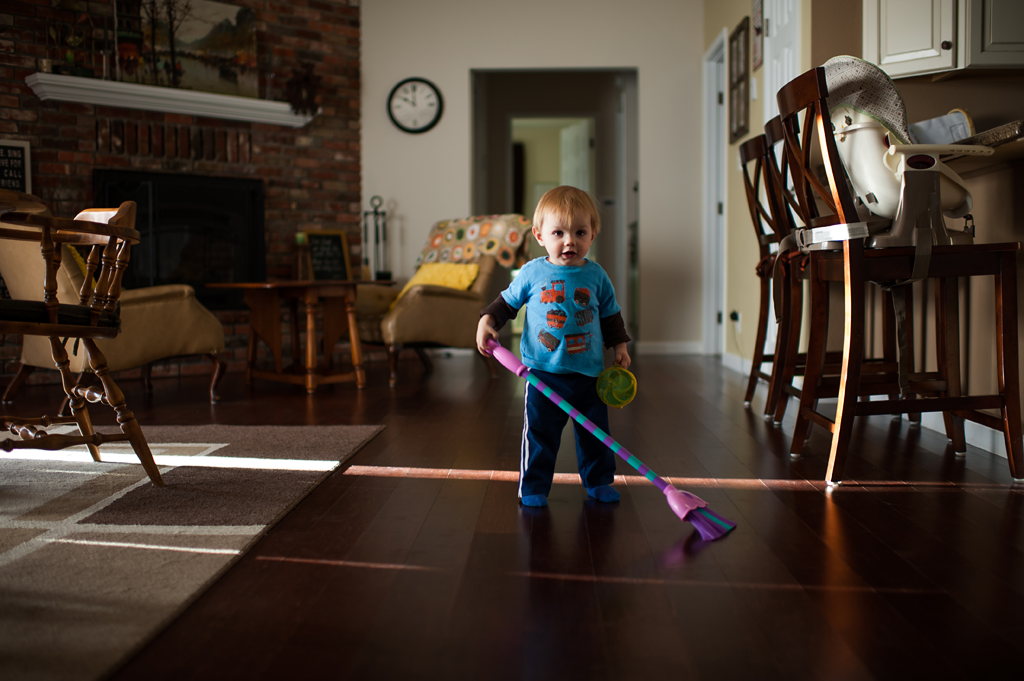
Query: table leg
[(311, 368), (357, 348), (265, 322), (293, 308), (1008, 362), (250, 360)]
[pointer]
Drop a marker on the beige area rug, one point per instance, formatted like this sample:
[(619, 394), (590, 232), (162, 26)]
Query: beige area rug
[(95, 560)]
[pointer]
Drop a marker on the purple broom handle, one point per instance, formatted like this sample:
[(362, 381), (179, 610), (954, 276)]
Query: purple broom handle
[(512, 363), (685, 505)]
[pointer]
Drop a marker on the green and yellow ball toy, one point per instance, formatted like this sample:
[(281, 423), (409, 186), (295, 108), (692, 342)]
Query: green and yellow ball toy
[(616, 387)]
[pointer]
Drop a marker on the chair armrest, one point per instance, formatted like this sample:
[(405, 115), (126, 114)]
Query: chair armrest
[(374, 299), (152, 294), (66, 230), (431, 291), (433, 314)]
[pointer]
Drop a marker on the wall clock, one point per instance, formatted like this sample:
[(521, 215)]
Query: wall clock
[(415, 105)]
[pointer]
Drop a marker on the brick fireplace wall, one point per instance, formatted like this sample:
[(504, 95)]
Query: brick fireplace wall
[(311, 174)]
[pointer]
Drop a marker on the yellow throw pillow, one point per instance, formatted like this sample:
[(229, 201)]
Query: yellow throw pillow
[(450, 275)]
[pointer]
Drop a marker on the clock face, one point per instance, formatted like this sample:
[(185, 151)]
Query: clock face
[(415, 105)]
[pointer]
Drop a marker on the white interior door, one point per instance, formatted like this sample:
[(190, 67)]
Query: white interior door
[(781, 50), (714, 196)]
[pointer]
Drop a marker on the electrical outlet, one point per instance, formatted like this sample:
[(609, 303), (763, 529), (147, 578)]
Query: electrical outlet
[(737, 319)]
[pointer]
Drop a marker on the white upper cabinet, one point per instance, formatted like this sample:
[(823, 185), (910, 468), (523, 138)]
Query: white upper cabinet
[(915, 37)]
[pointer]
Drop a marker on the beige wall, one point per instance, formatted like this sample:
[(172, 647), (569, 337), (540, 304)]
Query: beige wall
[(426, 177), (742, 292)]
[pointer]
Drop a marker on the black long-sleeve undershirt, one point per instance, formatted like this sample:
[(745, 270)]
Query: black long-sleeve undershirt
[(613, 328)]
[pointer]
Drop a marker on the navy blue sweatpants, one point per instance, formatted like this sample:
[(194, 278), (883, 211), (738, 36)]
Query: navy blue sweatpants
[(542, 431)]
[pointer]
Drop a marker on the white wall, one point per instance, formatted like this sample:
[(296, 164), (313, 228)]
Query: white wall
[(424, 178)]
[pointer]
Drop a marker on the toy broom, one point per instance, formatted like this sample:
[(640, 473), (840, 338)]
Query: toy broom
[(687, 506)]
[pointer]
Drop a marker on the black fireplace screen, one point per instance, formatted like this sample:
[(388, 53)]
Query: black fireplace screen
[(195, 229)]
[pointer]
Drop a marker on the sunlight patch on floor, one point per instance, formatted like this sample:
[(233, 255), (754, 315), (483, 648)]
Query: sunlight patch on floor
[(683, 483)]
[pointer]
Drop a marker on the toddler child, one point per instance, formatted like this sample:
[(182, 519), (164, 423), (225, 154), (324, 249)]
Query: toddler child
[(570, 314)]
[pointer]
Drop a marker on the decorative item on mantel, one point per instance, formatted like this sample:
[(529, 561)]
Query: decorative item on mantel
[(72, 42), (379, 264), (301, 90)]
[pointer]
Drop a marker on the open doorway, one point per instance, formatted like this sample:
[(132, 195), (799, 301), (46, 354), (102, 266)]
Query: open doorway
[(596, 111), (548, 152)]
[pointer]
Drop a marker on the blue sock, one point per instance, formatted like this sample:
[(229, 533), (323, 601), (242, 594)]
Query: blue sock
[(603, 493), (535, 500)]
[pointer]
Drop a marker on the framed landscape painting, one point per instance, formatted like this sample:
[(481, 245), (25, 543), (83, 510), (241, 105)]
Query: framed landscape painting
[(189, 44)]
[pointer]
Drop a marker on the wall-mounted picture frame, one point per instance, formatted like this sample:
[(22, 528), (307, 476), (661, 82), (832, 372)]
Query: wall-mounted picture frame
[(757, 37), (739, 81), (199, 45), (16, 165)]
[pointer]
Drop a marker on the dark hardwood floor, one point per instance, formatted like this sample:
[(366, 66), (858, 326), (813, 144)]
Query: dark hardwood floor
[(421, 567)]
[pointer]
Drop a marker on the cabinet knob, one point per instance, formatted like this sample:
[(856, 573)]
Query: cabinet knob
[(947, 45)]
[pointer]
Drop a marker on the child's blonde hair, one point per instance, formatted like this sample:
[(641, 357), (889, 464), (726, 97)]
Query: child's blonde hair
[(565, 203)]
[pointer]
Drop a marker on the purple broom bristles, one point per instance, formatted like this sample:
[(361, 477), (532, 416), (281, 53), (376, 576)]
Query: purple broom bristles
[(710, 525)]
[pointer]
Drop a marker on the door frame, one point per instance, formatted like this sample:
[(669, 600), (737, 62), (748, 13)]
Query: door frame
[(714, 153)]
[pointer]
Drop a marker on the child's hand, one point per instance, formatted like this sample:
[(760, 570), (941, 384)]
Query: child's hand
[(622, 356), (484, 332)]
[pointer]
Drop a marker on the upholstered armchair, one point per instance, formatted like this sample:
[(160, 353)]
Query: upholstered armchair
[(441, 304), (157, 322)]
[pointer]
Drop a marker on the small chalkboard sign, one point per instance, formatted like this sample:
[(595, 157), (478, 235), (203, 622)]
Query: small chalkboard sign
[(328, 254), (15, 166)]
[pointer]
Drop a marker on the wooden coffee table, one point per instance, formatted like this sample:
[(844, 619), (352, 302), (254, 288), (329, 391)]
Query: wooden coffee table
[(338, 300)]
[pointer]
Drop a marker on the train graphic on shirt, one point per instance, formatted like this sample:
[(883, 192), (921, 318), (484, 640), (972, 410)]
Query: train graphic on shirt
[(555, 294), (576, 343), (548, 341), (557, 317)]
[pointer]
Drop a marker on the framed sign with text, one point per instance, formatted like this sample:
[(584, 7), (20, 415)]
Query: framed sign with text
[(15, 166), (328, 254)]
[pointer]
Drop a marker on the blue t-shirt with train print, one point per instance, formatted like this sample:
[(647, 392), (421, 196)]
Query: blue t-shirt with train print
[(564, 308)]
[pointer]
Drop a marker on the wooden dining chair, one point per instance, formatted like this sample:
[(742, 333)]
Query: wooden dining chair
[(110, 233), (907, 392), (757, 179), (796, 209)]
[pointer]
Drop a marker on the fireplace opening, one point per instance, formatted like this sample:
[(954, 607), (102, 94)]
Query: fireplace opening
[(196, 230)]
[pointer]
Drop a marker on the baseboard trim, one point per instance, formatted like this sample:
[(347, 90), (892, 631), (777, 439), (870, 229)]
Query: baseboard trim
[(977, 435)]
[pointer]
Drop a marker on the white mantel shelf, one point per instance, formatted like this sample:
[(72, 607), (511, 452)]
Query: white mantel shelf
[(163, 99)]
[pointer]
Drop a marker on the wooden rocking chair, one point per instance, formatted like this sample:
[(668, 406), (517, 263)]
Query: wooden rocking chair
[(110, 233)]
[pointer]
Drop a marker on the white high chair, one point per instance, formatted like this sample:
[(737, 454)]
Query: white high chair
[(896, 181)]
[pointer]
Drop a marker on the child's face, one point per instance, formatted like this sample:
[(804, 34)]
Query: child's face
[(567, 242)]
